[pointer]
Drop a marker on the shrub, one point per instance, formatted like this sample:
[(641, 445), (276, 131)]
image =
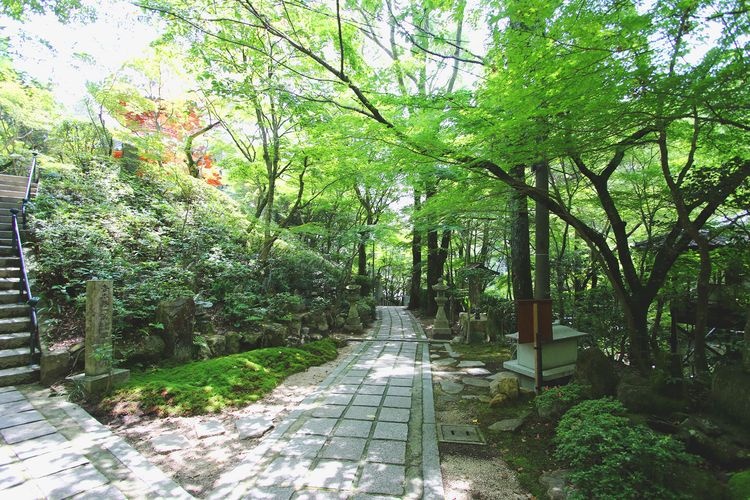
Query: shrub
[(366, 309), (282, 305), (299, 270), (739, 485), (611, 457), (554, 401)]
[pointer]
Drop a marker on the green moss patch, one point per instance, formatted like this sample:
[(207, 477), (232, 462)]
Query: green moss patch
[(212, 385), (491, 354)]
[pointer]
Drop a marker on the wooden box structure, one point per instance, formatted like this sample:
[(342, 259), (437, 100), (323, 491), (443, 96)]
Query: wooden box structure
[(534, 315)]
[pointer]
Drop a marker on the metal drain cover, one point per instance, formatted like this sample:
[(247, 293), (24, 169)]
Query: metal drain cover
[(464, 434)]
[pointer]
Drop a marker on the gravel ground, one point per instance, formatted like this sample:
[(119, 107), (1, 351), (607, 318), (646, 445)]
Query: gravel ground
[(197, 466)]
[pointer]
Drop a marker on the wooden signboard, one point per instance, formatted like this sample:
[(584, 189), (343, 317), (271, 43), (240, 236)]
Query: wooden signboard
[(528, 320)]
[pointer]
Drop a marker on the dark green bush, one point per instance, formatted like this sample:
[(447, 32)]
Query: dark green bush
[(612, 457), (297, 269), (554, 401), (281, 306), (739, 485), (159, 235), (366, 309)]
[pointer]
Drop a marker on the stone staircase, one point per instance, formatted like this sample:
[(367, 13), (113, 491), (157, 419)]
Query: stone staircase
[(16, 365)]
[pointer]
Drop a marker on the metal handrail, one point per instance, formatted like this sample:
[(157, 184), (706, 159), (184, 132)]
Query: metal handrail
[(29, 183), (24, 285)]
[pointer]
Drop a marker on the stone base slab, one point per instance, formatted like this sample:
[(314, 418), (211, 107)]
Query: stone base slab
[(96, 385)]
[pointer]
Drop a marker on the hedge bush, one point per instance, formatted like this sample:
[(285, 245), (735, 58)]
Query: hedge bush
[(612, 457)]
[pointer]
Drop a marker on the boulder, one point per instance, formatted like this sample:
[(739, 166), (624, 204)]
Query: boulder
[(317, 321), (639, 396), (506, 384), (232, 342), (53, 366), (250, 340), (178, 319), (340, 322), (596, 370), (730, 392), (555, 482), (704, 438), (148, 349), (498, 400), (217, 344), (274, 335)]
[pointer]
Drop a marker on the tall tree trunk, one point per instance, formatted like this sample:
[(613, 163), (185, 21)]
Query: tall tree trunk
[(656, 327), (433, 270), (636, 317), (541, 236), (415, 288), (362, 266), (701, 309), (746, 348), (268, 237), (520, 258), (362, 258)]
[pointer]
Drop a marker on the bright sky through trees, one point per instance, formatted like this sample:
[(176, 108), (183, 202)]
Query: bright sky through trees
[(69, 55)]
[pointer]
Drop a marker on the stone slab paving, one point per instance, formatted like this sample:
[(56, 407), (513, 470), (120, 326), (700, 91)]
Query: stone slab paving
[(53, 449), (367, 432)]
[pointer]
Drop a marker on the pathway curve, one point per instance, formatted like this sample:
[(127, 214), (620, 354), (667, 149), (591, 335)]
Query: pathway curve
[(368, 431)]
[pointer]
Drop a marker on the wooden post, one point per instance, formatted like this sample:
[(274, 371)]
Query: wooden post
[(538, 365)]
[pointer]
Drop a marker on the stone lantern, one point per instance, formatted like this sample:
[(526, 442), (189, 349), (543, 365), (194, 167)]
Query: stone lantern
[(441, 329), (353, 321)]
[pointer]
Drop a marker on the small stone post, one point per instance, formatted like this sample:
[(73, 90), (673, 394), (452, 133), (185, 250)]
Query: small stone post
[(99, 375), (353, 321), (98, 327), (441, 329)]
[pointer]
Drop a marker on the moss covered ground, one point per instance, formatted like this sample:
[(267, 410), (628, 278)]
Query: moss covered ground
[(210, 386)]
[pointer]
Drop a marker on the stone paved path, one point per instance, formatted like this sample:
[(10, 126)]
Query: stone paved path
[(54, 449), (368, 431)]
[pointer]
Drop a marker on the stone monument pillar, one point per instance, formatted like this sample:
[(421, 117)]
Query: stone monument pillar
[(98, 327), (441, 329), (353, 321), (99, 376)]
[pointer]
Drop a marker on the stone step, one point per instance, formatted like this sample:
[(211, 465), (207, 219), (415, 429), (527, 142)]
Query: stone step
[(11, 297), (17, 324), (5, 205), (18, 356), (7, 250), (10, 272), (14, 179), (13, 193), (18, 375), (10, 284), (14, 310), (10, 262), (15, 340)]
